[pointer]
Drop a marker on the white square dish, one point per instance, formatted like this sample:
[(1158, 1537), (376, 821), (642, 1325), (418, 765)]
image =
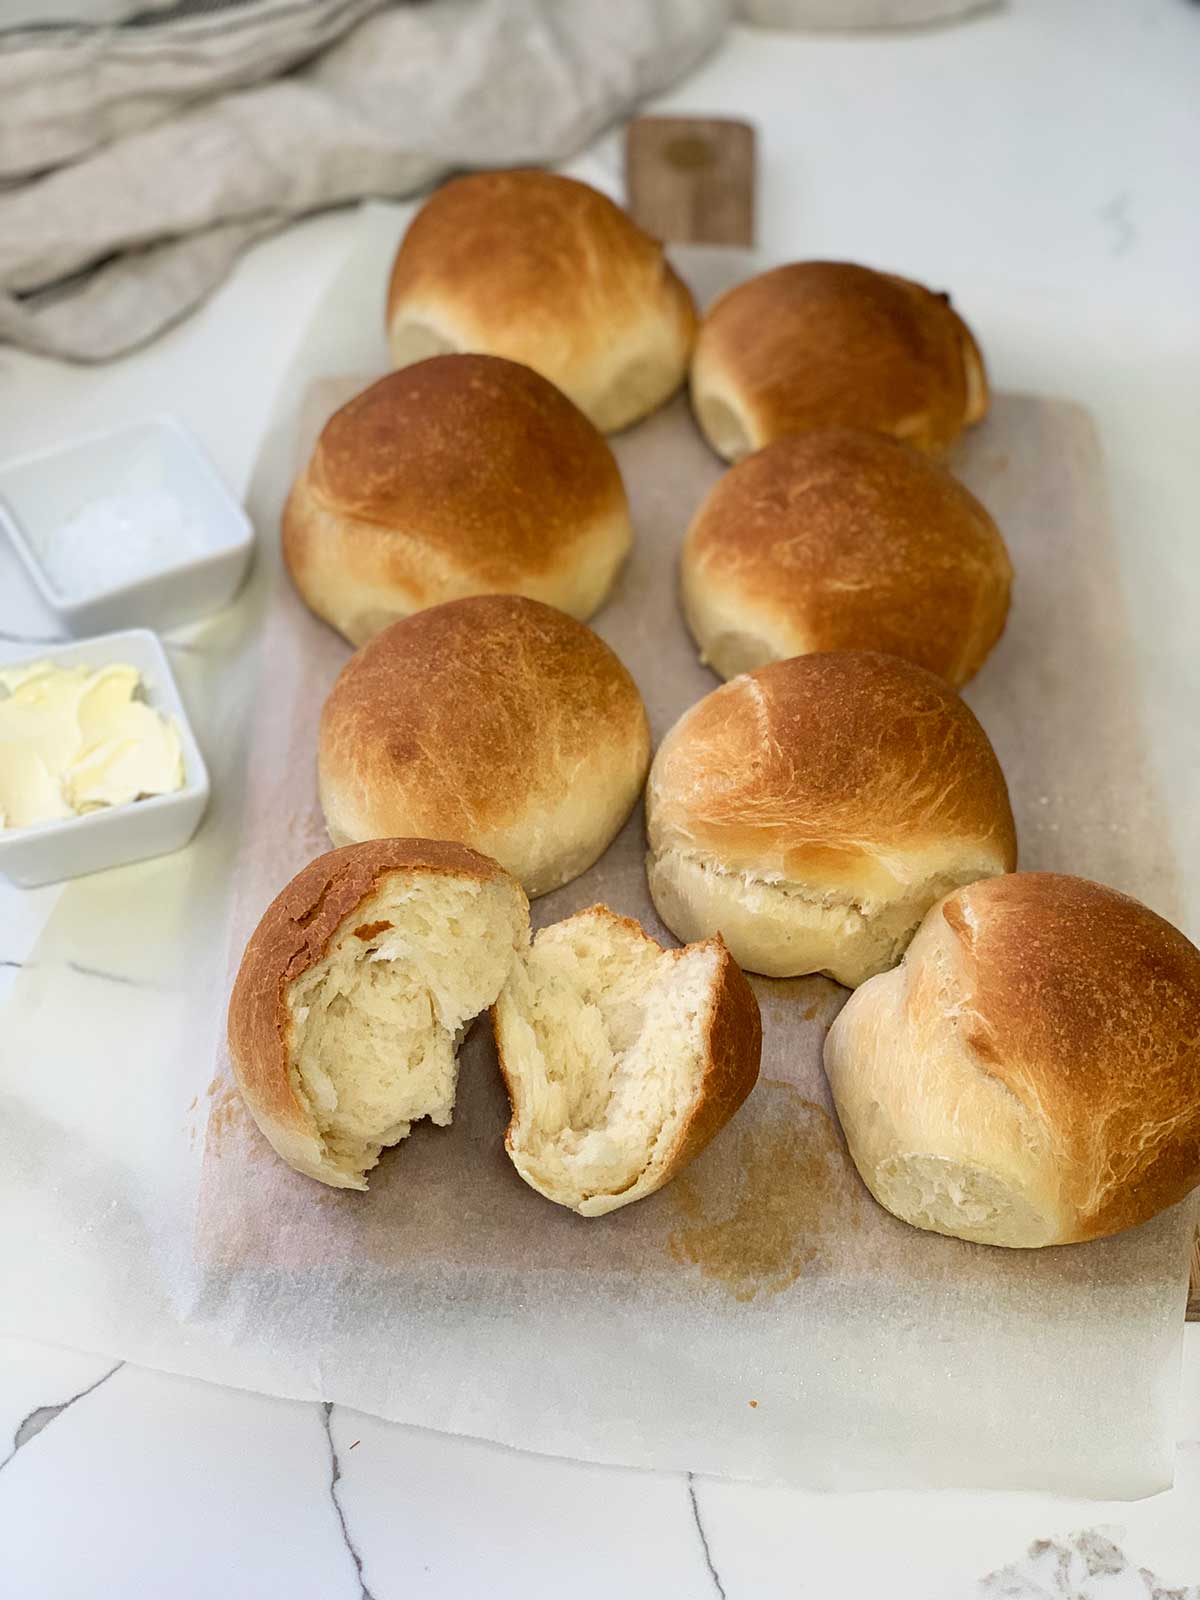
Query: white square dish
[(153, 464), (48, 852)]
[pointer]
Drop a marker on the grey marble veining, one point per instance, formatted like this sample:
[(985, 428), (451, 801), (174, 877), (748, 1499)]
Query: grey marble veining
[(422, 1515), (43, 1415), (708, 1560), (335, 1477), (1080, 1566)]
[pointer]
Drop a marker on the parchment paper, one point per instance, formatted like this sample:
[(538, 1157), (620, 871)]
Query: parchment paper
[(760, 1317)]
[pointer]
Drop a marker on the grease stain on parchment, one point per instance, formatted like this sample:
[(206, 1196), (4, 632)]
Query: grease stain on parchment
[(790, 1000), (795, 1194)]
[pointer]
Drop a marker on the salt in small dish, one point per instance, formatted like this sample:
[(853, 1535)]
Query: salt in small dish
[(130, 526)]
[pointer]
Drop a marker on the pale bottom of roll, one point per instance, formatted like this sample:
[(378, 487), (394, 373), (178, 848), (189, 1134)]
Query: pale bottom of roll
[(785, 930)]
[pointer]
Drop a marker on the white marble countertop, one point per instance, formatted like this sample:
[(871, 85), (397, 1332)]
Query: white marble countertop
[(1037, 162)]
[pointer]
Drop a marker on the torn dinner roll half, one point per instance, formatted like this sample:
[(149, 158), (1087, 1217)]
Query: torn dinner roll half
[(549, 272), (622, 1059), (1030, 1074), (355, 991), (497, 721), (828, 344), (844, 540), (811, 813), (458, 476)]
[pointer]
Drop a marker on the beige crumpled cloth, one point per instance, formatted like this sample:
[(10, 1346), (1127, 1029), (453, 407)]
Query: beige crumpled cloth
[(171, 147), (145, 143)]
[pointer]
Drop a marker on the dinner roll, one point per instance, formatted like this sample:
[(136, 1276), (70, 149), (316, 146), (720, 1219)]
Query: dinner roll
[(1030, 1075), (495, 720), (546, 271), (460, 475), (354, 991), (622, 1059), (821, 344), (841, 540), (811, 813)]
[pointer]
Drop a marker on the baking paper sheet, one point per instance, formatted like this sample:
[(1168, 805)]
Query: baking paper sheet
[(760, 1317)]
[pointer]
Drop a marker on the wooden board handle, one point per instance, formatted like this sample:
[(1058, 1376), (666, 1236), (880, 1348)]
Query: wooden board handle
[(690, 180)]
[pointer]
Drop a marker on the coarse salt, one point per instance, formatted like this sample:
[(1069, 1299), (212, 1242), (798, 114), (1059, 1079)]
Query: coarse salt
[(120, 539)]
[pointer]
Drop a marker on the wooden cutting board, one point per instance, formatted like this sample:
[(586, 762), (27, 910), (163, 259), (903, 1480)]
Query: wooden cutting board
[(691, 180)]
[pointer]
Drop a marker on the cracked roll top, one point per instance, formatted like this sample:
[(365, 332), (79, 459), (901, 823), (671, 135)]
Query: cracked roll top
[(355, 990), (811, 813), (1030, 1075), (461, 475), (495, 720), (827, 344), (549, 272)]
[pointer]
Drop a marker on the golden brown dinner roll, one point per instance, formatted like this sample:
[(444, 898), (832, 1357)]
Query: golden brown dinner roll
[(460, 475), (354, 991), (1031, 1074), (495, 720), (622, 1059), (825, 344), (811, 813), (843, 540), (546, 271)]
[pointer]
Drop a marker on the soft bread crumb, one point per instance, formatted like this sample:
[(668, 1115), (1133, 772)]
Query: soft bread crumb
[(375, 1025), (603, 1037)]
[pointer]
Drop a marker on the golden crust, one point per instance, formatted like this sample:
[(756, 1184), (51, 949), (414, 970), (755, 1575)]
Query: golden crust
[(853, 770), (732, 1058), (547, 271), (819, 344), (293, 936), (495, 720), (845, 540), (462, 474), (1086, 1005)]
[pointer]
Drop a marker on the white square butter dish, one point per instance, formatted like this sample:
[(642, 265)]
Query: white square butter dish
[(129, 527), (112, 836)]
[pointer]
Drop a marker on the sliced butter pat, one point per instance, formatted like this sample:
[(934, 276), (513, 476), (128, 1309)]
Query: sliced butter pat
[(102, 700), (40, 712), (141, 756), (73, 740), (29, 793)]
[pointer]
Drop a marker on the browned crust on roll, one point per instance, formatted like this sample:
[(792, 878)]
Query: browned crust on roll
[(484, 719), (1085, 1004), (548, 271), (818, 344), (472, 456), (841, 540), (822, 767), (733, 1059), (507, 247), (294, 935), (463, 466)]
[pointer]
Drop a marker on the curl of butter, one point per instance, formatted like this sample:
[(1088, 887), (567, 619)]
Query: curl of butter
[(74, 739)]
